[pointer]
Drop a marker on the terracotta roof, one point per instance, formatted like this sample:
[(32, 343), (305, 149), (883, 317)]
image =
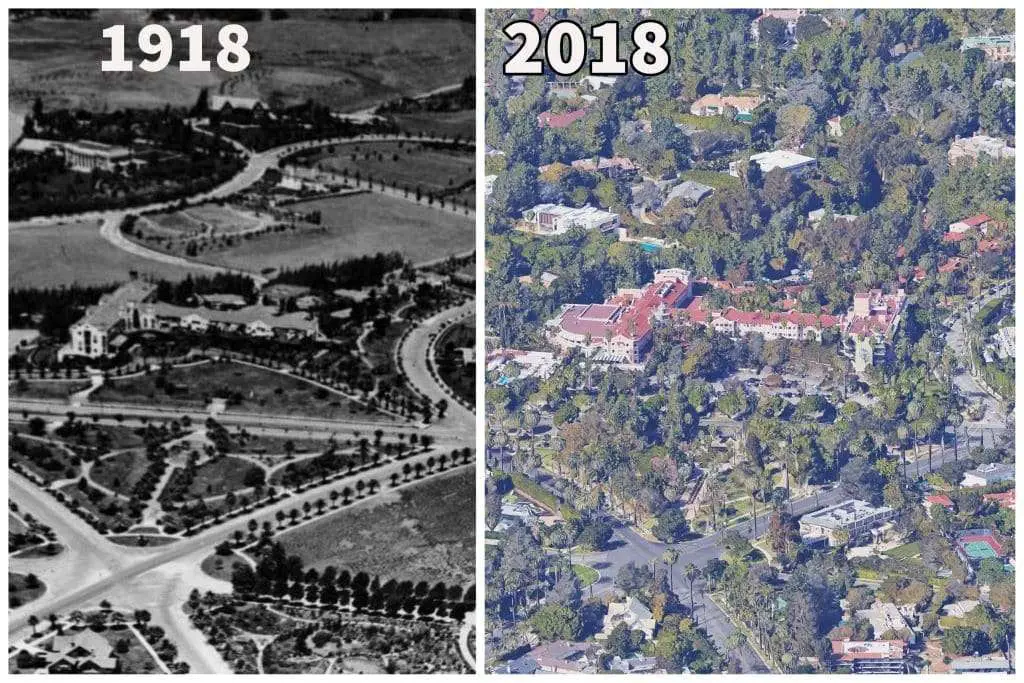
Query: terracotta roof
[(560, 120)]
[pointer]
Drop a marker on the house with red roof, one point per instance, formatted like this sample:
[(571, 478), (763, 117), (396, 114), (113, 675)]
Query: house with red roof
[(549, 119), (940, 499), (870, 656), (1006, 500), (978, 222), (871, 324)]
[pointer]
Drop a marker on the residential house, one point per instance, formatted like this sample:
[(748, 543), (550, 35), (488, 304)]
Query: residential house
[(549, 119), (80, 653), (970, 149), (789, 16), (989, 473), (854, 518), (941, 500), (987, 664), (563, 656), (996, 48), (716, 104), (633, 613), (119, 311), (556, 219), (221, 103), (1006, 500), (795, 163), (886, 618)]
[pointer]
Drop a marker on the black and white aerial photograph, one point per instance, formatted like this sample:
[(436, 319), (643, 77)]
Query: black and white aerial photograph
[(241, 341)]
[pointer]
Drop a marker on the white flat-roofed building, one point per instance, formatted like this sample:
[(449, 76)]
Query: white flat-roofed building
[(81, 155), (787, 160), (557, 219), (854, 517)]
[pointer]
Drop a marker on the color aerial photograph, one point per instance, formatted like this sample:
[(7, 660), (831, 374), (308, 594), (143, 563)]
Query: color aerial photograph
[(750, 341), (241, 342)]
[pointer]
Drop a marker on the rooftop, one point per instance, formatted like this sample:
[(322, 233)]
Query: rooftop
[(843, 514), (781, 158), (851, 650)]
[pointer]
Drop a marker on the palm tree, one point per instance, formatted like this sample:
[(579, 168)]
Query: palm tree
[(33, 621), (372, 486), (293, 514), (691, 572), (346, 493), (430, 464), (334, 498), (280, 518), (406, 470), (419, 470), (442, 460), (670, 557), (320, 505), (394, 479), (359, 488), (307, 507)]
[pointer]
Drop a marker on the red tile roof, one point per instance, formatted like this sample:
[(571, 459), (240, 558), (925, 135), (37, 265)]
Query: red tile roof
[(560, 120), (976, 220), (940, 499)]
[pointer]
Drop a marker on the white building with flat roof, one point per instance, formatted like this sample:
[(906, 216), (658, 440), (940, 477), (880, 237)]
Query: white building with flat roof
[(989, 473), (787, 160), (854, 517), (557, 219)]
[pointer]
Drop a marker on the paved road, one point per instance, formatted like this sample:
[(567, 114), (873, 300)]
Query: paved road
[(263, 423), (415, 347), (121, 576), (629, 546)]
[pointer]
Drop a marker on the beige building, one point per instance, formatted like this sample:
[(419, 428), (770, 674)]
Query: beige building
[(854, 518)]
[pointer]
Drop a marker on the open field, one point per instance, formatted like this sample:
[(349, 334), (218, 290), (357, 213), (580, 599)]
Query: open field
[(426, 535), (246, 388), (461, 123), (205, 219), (120, 472), (51, 255), (586, 574), (356, 225), (220, 475), (405, 164), (59, 389), (319, 54)]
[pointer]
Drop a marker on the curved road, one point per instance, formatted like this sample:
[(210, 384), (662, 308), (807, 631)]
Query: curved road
[(413, 353)]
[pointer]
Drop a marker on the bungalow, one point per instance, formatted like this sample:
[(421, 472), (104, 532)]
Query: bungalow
[(228, 103), (1001, 48), (79, 653)]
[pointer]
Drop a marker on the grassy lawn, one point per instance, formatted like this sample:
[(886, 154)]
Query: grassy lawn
[(425, 532), (59, 389), (220, 566), (15, 525), (51, 255), (219, 476), (719, 181), (247, 389), (19, 592), (905, 551), (141, 540), (586, 575), (405, 164), (462, 123), (356, 225), (120, 472)]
